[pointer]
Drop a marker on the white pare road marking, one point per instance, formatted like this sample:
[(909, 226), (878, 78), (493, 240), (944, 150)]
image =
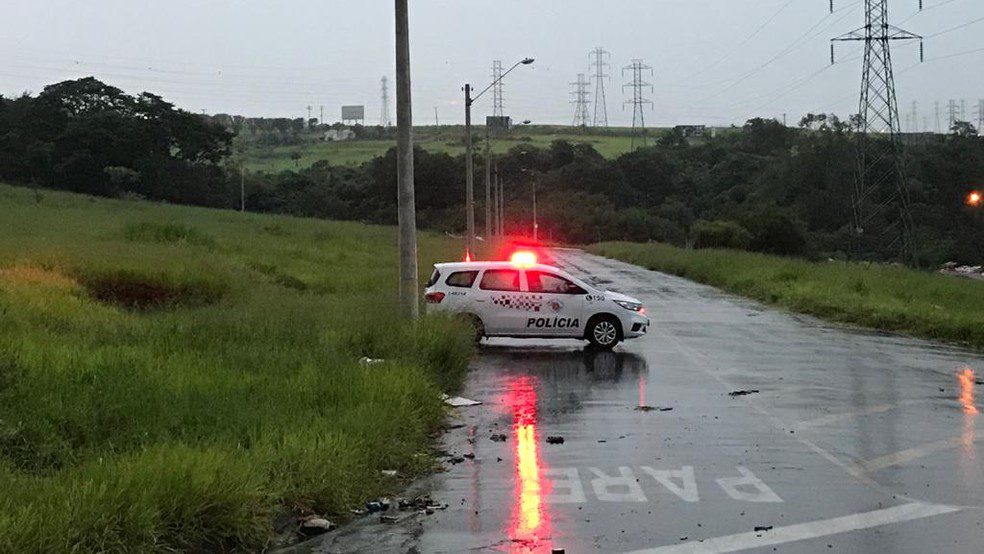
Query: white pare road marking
[(803, 531), (566, 486)]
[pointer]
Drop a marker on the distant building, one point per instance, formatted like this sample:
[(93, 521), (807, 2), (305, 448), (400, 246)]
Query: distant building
[(691, 131), (336, 135)]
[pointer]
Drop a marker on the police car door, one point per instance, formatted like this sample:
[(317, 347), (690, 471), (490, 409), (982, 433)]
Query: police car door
[(503, 303), (561, 305)]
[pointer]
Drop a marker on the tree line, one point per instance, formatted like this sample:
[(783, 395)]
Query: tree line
[(763, 187)]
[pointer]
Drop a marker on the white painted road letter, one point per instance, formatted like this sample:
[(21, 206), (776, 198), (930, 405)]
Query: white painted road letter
[(762, 492), (627, 483), (687, 489), (569, 481)]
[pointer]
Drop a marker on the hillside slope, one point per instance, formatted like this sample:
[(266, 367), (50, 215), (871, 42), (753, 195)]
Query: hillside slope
[(175, 378)]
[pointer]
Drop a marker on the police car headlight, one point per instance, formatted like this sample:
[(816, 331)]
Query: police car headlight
[(632, 306)]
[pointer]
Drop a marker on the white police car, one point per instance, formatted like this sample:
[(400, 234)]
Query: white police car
[(523, 299)]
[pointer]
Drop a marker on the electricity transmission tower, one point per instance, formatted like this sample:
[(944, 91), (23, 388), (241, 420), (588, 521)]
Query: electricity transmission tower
[(580, 101), (936, 106), (951, 112), (384, 113), (980, 116), (497, 89), (598, 58), (638, 114), (880, 202)]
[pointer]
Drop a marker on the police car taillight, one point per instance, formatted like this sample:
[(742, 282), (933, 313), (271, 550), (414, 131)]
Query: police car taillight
[(434, 297)]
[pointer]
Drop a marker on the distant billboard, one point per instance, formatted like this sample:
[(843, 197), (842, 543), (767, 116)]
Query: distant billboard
[(353, 113), (498, 123)]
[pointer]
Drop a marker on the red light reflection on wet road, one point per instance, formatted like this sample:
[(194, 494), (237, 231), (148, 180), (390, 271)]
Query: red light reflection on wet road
[(530, 522)]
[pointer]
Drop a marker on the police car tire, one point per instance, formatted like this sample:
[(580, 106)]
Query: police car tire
[(476, 323), (598, 337)]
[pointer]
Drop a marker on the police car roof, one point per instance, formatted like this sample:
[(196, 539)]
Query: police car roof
[(478, 265)]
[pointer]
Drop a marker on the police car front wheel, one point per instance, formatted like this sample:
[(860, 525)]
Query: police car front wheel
[(604, 332)]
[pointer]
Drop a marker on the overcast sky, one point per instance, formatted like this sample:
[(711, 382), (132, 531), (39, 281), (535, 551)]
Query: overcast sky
[(714, 61)]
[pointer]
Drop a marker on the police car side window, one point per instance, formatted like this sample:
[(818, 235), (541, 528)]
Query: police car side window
[(434, 277), (551, 284), (500, 279), (464, 279)]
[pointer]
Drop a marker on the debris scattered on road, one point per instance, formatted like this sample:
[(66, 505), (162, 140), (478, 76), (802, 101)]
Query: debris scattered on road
[(745, 392), (652, 409), (387, 519), (759, 528), (380, 505), (420, 504), (389, 472), (469, 455), (555, 440), (315, 526), (366, 361), (498, 437), (458, 401), (358, 512)]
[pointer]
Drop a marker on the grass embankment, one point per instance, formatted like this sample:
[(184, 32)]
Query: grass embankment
[(881, 297), (281, 158), (174, 378)]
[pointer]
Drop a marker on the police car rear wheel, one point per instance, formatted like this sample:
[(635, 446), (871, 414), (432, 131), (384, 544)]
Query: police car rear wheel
[(478, 326), (604, 333)]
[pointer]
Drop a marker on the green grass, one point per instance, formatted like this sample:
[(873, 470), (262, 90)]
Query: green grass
[(172, 378), (449, 140), (884, 297)]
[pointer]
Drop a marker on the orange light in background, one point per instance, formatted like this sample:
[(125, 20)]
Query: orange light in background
[(974, 199), (529, 522), (467, 256), (523, 258)]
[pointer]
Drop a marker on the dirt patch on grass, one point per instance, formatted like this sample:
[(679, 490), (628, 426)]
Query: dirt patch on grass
[(146, 293), (35, 276)]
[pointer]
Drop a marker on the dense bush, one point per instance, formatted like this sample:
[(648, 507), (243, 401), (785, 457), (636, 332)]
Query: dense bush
[(721, 234)]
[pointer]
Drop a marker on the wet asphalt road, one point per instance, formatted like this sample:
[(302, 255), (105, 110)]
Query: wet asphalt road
[(855, 442)]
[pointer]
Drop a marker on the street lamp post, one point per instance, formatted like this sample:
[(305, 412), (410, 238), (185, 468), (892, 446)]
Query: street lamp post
[(469, 163), (536, 225)]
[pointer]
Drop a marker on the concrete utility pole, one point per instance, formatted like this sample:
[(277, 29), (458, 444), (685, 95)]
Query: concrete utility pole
[(488, 182), (469, 177), (242, 187), (409, 303), (502, 204)]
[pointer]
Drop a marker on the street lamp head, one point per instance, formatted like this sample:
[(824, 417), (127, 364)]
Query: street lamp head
[(974, 199), (527, 61)]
